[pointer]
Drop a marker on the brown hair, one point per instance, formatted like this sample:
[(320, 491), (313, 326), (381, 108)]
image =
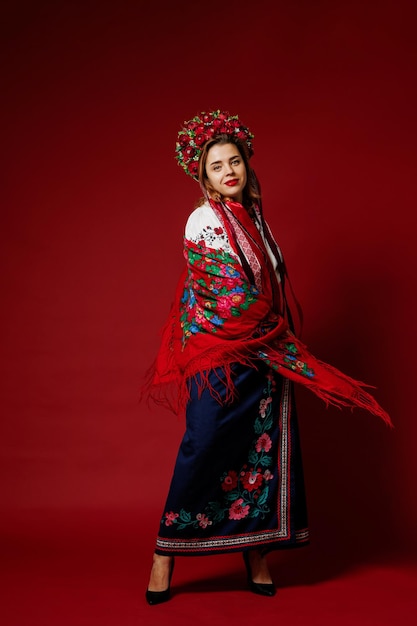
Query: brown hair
[(250, 192)]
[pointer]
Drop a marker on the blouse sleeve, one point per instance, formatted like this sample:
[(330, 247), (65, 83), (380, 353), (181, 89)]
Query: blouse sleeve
[(203, 226)]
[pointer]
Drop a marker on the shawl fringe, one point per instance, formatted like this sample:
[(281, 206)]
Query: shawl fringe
[(332, 386)]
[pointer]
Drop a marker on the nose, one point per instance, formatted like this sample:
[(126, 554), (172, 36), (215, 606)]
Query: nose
[(228, 169)]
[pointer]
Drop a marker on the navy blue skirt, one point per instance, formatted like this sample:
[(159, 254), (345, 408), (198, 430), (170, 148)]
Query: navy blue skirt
[(238, 479)]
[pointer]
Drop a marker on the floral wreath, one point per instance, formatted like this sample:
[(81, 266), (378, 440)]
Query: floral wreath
[(200, 129)]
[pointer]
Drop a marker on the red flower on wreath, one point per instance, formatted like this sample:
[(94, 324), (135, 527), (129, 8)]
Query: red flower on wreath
[(237, 511), (183, 140), (189, 152), (193, 168), (200, 139)]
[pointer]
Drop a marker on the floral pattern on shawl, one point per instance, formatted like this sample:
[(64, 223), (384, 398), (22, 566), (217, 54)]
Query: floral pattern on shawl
[(218, 318), (214, 291)]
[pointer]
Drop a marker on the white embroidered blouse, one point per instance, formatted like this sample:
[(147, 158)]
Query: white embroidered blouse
[(204, 225)]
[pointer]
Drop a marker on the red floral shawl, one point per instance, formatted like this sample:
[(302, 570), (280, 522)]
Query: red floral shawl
[(220, 316)]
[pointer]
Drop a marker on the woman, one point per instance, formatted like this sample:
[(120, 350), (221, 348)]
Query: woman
[(229, 356)]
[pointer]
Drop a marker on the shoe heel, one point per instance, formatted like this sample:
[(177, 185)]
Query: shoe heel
[(262, 589), (158, 597)]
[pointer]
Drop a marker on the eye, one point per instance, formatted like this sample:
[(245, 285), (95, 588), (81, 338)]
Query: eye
[(216, 168), (235, 161)]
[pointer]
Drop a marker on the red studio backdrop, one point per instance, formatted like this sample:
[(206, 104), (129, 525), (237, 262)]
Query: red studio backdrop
[(92, 214)]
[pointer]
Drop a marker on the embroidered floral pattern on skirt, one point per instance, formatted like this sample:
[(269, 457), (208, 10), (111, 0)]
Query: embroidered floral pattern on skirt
[(238, 479)]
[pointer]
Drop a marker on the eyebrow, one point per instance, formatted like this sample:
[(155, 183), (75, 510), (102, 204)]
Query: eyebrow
[(236, 156)]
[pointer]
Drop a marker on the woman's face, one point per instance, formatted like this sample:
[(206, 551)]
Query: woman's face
[(226, 171)]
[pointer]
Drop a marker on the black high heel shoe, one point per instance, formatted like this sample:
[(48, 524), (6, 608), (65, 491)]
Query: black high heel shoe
[(262, 589), (157, 597)]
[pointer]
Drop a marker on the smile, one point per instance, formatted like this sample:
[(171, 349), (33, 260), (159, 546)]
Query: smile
[(232, 183)]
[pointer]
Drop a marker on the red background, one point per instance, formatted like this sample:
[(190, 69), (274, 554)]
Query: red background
[(93, 209)]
